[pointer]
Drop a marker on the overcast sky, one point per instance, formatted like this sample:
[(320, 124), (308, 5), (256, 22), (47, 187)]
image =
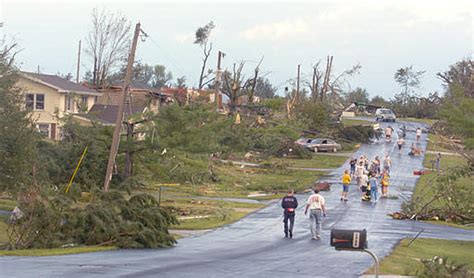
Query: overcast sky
[(380, 35)]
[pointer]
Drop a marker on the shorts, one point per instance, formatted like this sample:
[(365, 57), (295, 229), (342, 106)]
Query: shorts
[(345, 188), (363, 188)]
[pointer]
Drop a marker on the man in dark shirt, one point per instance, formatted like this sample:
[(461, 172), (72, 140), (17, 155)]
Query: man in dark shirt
[(289, 204)]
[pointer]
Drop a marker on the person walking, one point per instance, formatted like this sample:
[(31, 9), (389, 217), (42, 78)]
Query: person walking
[(346, 180), (418, 134), (400, 143), (353, 163), (316, 206), (289, 203), (384, 182), (373, 183), (359, 171), (387, 163), (364, 180)]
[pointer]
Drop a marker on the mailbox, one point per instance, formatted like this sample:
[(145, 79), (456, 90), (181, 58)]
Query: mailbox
[(349, 239)]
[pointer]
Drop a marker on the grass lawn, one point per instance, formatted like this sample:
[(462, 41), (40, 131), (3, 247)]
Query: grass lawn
[(417, 120), (353, 122), (7, 204), (55, 251), (436, 143), (407, 260), (318, 160), (266, 180), (446, 162), (425, 187), (3, 230), (209, 223)]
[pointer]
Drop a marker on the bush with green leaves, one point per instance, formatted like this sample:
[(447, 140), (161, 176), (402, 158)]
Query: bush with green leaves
[(109, 218), (358, 133), (442, 267)]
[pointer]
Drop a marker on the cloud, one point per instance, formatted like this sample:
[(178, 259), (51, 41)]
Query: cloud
[(184, 37), (277, 30)]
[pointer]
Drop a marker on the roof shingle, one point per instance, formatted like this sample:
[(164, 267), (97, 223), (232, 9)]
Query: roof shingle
[(59, 82)]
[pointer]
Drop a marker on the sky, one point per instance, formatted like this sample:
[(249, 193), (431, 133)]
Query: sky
[(380, 35)]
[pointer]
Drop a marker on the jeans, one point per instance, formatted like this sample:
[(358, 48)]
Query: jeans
[(315, 222), (373, 194), (287, 217)]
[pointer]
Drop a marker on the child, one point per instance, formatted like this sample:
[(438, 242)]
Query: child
[(384, 182), (346, 180), (400, 143)]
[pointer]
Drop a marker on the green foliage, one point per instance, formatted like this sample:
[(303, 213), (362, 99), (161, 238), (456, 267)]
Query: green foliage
[(441, 267), (17, 132), (357, 95), (50, 222), (61, 158), (356, 133), (200, 130), (458, 112), (276, 104), (314, 114)]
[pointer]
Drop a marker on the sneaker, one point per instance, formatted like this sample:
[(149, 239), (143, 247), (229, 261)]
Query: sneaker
[(345, 200), (313, 238), (342, 199), (318, 237), (286, 235), (291, 234)]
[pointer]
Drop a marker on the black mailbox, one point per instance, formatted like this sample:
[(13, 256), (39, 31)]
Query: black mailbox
[(349, 239)]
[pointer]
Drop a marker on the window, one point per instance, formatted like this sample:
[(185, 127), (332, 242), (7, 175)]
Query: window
[(30, 101), (35, 101), (68, 103), (43, 129), (83, 104), (39, 102)]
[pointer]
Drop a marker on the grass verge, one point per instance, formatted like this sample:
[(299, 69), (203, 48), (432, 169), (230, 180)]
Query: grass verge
[(407, 260), (323, 161), (56, 251), (354, 122), (209, 223), (418, 120)]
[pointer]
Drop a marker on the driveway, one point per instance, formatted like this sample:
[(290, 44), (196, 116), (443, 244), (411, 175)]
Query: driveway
[(255, 246)]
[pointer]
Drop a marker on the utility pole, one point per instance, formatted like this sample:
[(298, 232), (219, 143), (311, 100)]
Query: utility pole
[(78, 62), (298, 82), (220, 55), (119, 118)]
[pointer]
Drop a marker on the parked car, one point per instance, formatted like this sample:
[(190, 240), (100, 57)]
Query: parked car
[(303, 141), (322, 144), (384, 114)]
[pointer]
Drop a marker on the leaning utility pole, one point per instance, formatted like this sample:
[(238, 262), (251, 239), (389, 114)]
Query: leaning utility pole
[(119, 119), (78, 62)]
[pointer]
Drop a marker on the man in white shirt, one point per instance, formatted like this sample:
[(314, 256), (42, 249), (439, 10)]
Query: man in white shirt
[(316, 207), (418, 134)]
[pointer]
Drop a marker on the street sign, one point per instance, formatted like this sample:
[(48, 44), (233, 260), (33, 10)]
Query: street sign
[(349, 239)]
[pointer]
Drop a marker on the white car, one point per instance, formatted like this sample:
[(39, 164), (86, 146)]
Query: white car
[(384, 114)]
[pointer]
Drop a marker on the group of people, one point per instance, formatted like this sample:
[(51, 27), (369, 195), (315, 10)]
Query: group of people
[(369, 175)]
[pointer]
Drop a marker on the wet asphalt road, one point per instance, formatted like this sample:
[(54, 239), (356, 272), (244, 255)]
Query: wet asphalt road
[(255, 246)]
